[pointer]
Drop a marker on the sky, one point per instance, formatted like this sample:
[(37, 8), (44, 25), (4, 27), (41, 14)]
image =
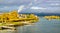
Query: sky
[(30, 6)]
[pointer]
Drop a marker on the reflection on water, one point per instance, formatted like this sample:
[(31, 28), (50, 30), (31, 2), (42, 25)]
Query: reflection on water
[(43, 26), (7, 31)]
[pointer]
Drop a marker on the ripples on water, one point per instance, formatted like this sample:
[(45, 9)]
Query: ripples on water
[(43, 26)]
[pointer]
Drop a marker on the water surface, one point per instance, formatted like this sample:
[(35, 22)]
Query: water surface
[(42, 26)]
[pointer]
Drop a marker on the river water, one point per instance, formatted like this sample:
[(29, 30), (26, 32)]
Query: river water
[(42, 26)]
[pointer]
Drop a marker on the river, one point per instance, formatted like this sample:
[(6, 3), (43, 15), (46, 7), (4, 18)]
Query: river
[(42, 26)]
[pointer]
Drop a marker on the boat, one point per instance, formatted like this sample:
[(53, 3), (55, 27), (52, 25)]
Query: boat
[(52, 17), (7, 28), (15, 19)]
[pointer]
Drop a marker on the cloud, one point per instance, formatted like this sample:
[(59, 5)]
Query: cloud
[(54, 4), (30, 4), (11, 1), (8, 8), (4, 7), (14, 2), (53, 1), (36, 8), (36, 0)]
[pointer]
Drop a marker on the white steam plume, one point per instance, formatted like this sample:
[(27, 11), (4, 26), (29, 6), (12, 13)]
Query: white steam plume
[(20, 8)]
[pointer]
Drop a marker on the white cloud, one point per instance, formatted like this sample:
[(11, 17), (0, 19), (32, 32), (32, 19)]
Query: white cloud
[(35, 0), (30, 4), (8, 8), (20, 8), (5, 7), (42, 8), (10, 2), (53, 1), (54, 4)]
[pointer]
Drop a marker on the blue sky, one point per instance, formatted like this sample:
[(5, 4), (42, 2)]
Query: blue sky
[(34, 6)]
